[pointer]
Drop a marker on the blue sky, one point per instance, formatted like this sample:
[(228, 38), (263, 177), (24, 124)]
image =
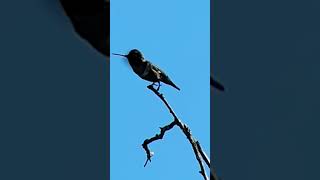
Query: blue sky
[(174, 35)]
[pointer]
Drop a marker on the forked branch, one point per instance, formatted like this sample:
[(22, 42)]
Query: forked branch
[(199, 153)]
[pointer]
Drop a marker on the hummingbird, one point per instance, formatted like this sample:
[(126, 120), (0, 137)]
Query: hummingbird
[(146, 70), (92, 22)]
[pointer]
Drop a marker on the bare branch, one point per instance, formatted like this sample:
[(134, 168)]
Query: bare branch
[(213, 174), (186, 130), (154, 138)]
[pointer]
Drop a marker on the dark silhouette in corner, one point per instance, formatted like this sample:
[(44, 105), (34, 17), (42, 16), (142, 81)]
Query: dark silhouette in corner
[(91, 20), (216, 84)]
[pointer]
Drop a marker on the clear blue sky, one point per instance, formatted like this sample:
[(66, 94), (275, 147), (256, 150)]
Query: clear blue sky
[(175, 35)]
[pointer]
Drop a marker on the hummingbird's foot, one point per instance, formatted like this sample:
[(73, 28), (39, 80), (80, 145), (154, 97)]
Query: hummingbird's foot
[(154, 84), (158, 86), (151, 85)]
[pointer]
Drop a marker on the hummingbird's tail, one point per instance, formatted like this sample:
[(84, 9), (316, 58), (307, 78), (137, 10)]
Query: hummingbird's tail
[(173, 85)]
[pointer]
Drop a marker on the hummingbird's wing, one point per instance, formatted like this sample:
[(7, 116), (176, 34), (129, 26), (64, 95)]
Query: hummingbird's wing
[(163, 76), (158, 71), (216, 84)]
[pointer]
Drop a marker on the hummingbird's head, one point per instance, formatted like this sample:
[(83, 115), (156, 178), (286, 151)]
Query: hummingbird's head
[(135, 54)]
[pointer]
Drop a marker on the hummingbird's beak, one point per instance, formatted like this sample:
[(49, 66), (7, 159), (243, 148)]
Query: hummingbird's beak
[(119, 55)]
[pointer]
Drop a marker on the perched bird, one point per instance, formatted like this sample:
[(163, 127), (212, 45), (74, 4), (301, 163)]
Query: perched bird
[(91, 20), (216, 84), (146, 70)]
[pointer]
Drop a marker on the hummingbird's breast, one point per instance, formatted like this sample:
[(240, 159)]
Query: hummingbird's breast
[(138, 68), (145, 71)]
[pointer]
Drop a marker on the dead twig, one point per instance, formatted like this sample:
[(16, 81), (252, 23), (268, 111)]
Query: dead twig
[(156, 137), (199, 153)]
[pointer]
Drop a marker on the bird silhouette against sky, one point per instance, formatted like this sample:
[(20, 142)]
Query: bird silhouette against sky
[(91, 20), (146, 70)]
